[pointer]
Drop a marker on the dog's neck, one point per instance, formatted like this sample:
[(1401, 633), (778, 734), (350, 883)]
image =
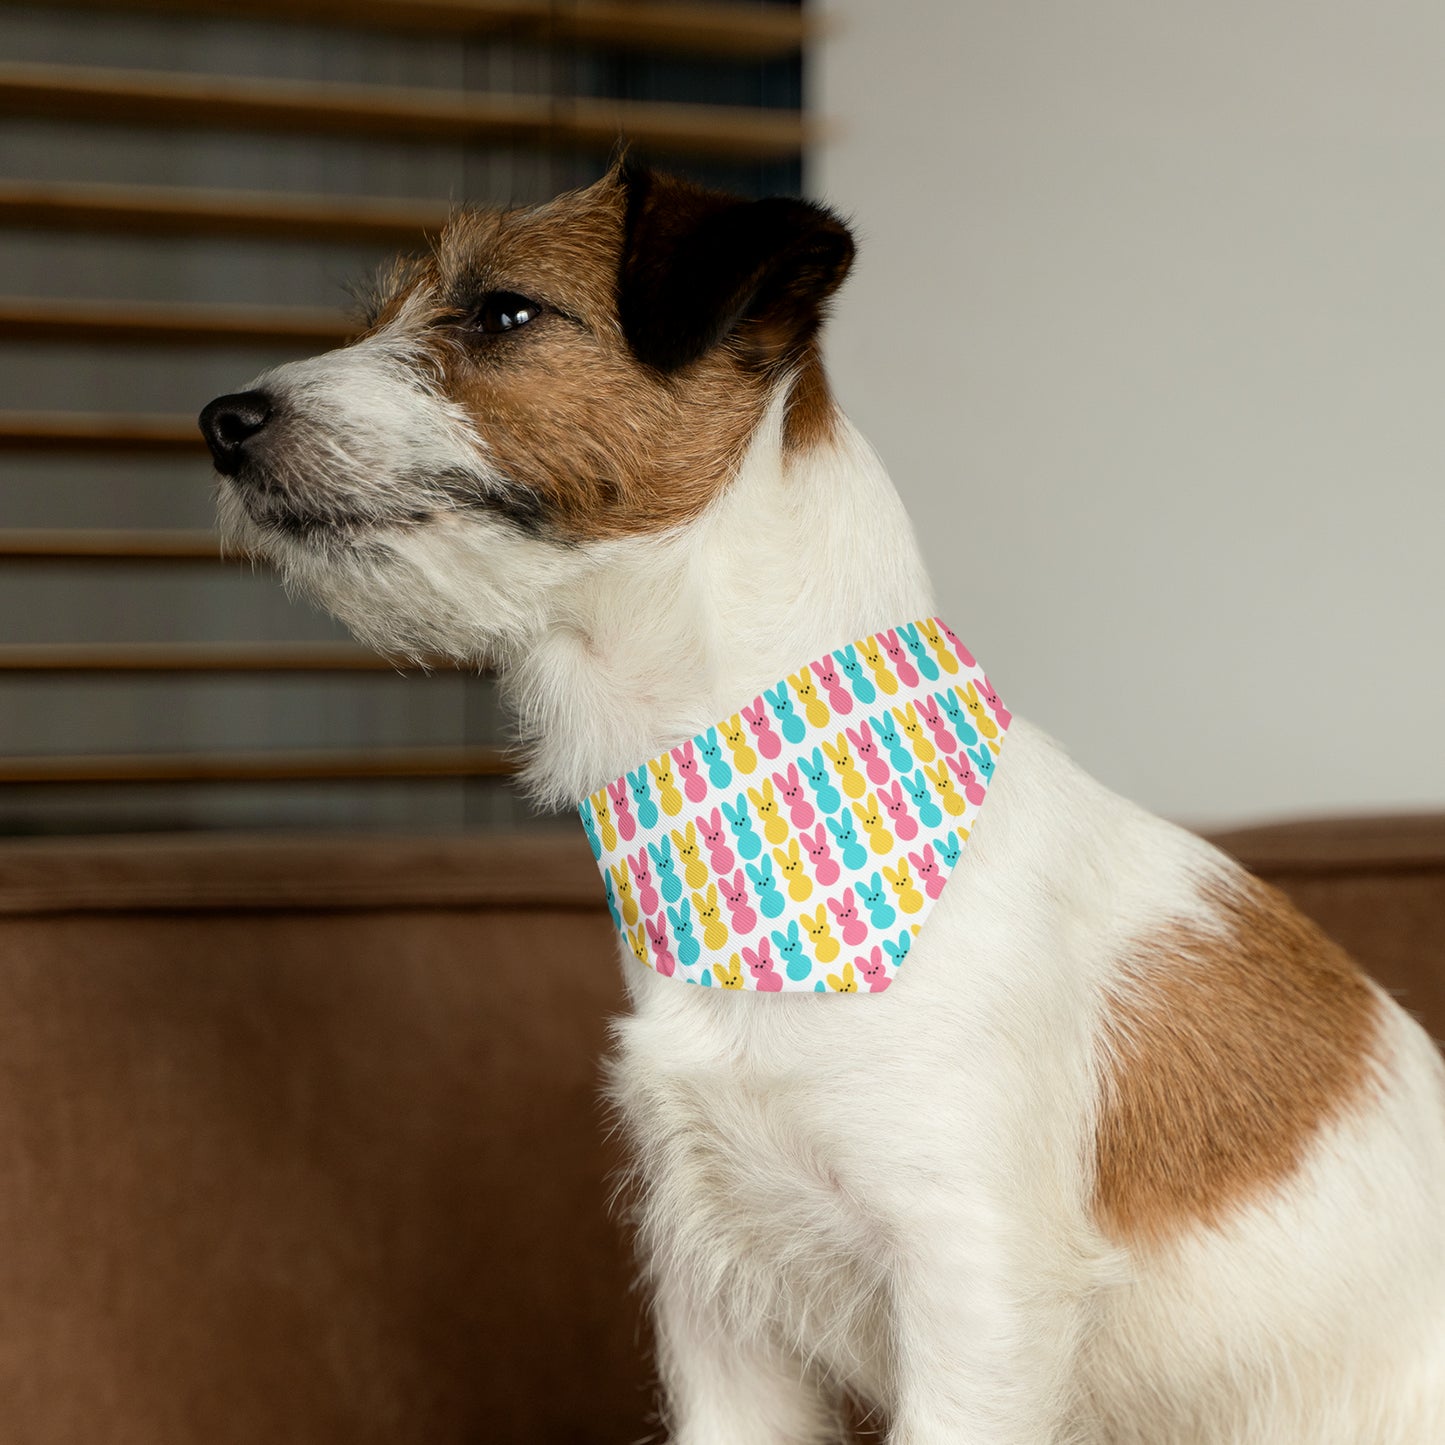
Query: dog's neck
[(658, 638)]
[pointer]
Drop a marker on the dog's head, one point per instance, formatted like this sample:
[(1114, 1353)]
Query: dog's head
[(547, 379)]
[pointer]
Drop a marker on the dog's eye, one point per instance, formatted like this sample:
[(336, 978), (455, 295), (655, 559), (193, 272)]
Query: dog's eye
[(504, 311)]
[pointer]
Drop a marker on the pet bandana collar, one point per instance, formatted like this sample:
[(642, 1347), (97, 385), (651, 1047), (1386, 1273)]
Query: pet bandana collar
[(799, 845)]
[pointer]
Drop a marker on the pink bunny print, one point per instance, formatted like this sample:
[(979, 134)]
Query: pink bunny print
[(766, 978), (902, 664), (715, 835), (964, 655), (825, 866), (929, 873), (693, 782), (845, 915), (874, 970), (622, 810), (943, 739), (663, 959), (973, 790), (647, 899), (736, 893), (839, 698), (903, 823), (760, 721), (1004, 716), (867, 748), (791, 787)]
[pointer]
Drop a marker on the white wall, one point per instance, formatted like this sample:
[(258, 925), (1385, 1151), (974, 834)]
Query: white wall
[(1149, 323)]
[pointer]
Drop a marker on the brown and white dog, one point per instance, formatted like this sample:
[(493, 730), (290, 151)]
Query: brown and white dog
[(1131, 1154)]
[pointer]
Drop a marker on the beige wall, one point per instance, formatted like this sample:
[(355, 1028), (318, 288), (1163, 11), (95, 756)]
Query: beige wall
[(1149, 323)]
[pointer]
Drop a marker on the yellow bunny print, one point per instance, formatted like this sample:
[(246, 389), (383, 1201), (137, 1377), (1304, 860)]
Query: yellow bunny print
[(669, 796), (637, 939), (800, 886), (942, 779), (847, 984), (694, 869), (605, 824), (775, 826), (729, 977), (910, 899), (923, 750), (846, 766), (981, 718), (709, 914), (814, 708), (873, 656), (880, 840), (825, 946), (736, 737), (944, 653), (625, 901)]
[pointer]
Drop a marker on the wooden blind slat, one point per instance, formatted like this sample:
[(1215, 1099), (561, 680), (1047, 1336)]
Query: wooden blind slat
[(201, 657), (216, 102), (709, 29), (259, 767), (174, 210), (171, 323), (79, 431), (76, 544)]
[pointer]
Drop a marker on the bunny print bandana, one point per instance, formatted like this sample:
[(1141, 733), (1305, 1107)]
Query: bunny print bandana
[(799, 845)]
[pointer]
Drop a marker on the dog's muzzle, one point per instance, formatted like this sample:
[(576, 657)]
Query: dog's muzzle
[(230, 422)]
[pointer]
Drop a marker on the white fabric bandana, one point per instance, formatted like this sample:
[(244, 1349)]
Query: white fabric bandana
[(799, 845)]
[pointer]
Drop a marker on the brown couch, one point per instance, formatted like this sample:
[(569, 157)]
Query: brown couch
[(301, 1138)]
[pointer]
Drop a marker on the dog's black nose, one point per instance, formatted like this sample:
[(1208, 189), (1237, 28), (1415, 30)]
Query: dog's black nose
[(229, 422)]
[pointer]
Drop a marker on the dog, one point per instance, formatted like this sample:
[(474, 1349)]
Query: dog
[(1131, 1153)]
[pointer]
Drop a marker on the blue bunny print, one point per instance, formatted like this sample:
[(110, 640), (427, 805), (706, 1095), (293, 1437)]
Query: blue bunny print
[(820, 779), (929, 813), (958, 716), (741, 822), (898, 754), (718, 772), (641, 786), (765, 881), (688, 948), (874, 893), (854, 854), (790, 946), (589, 824), (668, 883), (612, 901), (949, 847), (863, 688), (920, 650), (793, 728), (898, 951), (983, 760)]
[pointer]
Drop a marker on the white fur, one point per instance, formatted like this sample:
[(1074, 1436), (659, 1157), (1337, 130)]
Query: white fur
[(891, 1194)]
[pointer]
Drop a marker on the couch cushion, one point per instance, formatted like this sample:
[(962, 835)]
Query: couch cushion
[(303, 1135)]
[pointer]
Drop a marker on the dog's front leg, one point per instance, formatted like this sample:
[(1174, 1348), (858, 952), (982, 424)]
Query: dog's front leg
[(721, 1387), (985, 1345)]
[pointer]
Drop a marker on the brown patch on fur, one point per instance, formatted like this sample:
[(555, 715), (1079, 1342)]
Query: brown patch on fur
[(608, 446), (605, 445), (812, 417), (1226, 1054)]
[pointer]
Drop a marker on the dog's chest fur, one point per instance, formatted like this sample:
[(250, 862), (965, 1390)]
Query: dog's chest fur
[(789, 1152)]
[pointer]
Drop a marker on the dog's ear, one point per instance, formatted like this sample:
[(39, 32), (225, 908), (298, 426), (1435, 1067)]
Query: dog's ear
[(699, 266)]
